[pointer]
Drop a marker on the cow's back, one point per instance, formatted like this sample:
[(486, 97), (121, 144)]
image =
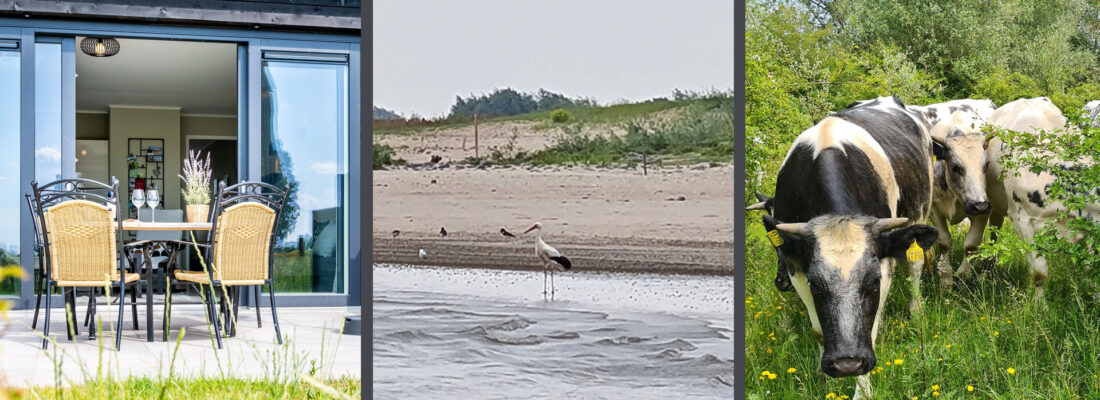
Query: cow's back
[(873, 158)]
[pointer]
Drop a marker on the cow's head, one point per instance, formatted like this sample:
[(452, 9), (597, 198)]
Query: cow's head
[(841, 267), (959, 144)]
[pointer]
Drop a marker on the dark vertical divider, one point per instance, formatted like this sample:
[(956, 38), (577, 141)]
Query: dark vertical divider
[(739, 200), (367, 178)]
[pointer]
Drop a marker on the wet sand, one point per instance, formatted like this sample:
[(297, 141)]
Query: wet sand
[(675, 220)]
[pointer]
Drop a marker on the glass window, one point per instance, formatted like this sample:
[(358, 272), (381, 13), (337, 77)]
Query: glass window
[(47, 112), (304, 146), (11, 197)]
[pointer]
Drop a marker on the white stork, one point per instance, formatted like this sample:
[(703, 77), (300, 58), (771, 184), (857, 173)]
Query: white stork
[(551, 258)]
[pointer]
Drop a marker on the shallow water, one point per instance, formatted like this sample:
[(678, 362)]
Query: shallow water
[(488, 334)]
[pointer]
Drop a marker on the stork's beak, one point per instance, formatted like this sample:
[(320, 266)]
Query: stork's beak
[(533, 227)]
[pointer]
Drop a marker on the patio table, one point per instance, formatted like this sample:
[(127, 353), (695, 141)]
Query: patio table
[(133, 225)]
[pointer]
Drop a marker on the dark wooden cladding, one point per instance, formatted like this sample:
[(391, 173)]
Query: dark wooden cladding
[(332, 16)]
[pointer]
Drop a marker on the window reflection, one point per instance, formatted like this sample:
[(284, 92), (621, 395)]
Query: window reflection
[(10, 203), (304, 147)]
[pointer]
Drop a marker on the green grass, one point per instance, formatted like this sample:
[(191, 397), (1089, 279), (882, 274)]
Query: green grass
[(293, 273), (614, 114), (968, 335), (196, 388)]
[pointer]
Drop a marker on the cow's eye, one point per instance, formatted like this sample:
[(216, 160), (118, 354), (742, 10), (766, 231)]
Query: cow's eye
[(957, 168)]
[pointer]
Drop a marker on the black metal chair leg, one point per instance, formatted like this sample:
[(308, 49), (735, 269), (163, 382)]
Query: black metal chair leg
[(236, 290), (211, 301), (167, 311), (46, 328), (40, 286), (87, 313), (121, 313), (256, 305), (91, 313), (133, 308), (274, 315), (70, 312)]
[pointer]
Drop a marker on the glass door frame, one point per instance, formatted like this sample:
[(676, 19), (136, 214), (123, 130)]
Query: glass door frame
[(251, 44)]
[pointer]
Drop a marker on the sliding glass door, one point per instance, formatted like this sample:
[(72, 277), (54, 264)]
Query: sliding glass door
[(304, 147), (10, 202)]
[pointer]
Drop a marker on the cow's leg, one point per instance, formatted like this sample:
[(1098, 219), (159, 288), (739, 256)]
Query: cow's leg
[(1039, 273), (943, 245), (914, 276), (863, 387)]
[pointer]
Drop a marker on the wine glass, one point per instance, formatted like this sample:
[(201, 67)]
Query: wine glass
[(153, 200), (139, 200)]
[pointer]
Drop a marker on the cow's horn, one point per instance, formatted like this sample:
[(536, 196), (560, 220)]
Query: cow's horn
[(886, 224), (797, 229), (756, 206)]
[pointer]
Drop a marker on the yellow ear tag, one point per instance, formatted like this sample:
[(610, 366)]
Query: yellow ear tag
[(775, 238), (934, 159), (914, 253)]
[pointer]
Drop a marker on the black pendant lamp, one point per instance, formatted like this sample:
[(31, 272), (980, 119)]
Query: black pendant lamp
[(99, 47)]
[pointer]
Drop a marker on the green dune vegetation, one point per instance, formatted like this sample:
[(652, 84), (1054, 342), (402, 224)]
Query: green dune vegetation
[(687, 127), (983, 337)]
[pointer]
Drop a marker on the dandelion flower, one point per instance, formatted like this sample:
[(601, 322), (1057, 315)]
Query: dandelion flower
[(996, 333), (1011, 371), (898, 361), (830, 395), (765, 373), (791, 370), (949, 346), (935, 394), (935, 387), (969, 388), (772, 376)]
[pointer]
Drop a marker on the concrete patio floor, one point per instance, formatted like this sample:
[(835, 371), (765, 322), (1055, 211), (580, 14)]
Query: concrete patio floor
[(309, 334)]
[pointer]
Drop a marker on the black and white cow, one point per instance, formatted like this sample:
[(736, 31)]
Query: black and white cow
[(960, 192), (1024, 192), (847, 198), (1092, 112), (934, 113)]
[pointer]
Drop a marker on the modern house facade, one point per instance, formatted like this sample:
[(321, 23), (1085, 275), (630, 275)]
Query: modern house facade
[(269, 89)]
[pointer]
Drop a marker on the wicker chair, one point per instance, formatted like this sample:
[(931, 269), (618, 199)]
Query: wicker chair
[(239, 253), (82, 243)]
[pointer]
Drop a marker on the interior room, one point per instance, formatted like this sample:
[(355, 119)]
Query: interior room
[(141, 110)]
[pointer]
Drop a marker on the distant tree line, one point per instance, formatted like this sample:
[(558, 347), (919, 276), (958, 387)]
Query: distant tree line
[(382, 113), (508, 101)]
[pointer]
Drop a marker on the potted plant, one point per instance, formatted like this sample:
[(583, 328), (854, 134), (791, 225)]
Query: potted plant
[(196, 187)]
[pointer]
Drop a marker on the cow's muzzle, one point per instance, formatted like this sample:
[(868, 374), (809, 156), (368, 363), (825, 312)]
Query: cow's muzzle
[(847, 365), (977, 207)]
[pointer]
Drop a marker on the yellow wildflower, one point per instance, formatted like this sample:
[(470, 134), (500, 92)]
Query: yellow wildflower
[(1011, 371), (969, 388), (935, 387), (830, 395), (898, 361), (935, 394), (996, 333), (791, 370)]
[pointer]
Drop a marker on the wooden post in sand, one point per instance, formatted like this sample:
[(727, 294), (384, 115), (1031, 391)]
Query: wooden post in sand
[(476, 148)]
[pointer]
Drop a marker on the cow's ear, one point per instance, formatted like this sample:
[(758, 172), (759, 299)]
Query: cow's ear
[(791, 245), (939, 151), (898, 243)]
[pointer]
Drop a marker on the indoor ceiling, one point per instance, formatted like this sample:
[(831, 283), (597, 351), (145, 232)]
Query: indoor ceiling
[(198, 77)]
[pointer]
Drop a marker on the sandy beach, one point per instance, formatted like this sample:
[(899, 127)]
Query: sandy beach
[(673, 220)]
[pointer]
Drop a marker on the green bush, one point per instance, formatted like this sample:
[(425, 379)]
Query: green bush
[(560, 116), (384, 155)]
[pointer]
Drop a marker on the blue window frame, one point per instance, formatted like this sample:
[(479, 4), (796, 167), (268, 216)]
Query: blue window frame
[(26, 34)]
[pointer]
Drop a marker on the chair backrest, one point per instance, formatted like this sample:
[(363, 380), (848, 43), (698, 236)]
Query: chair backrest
[(246, 216), (174, 215), (79, 229), (36, 222)]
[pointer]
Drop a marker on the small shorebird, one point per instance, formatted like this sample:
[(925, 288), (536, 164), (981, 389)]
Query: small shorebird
[(506, 233), (442, 231), (422, 254), (396, 233), (551, 258)]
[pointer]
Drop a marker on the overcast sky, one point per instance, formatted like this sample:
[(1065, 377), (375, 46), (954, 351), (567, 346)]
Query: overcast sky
[(428, 51)]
